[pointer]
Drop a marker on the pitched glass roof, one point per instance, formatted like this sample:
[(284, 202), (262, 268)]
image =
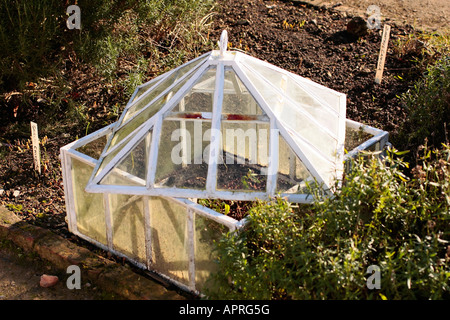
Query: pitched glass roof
[(225, 125)]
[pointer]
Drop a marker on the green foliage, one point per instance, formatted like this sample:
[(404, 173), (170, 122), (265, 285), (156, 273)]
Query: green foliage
[(377, 217), (421, 48), (14, 207), (249, 177), (27, 33), (142, 36), (121, 43), (428, 107), (216, 204), (34, 36)]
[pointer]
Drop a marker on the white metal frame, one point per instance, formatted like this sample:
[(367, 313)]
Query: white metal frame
[(184, 197), (69, 152), (233, 60), (380, 138)]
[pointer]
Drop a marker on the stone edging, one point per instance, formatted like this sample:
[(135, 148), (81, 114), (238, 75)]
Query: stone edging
[(61, 253)]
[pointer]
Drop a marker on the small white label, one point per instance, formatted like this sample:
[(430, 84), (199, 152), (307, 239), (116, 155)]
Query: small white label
[(36, 148)]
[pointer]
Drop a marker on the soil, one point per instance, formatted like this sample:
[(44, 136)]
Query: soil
[(19, 281), (323, 51), (429, 15), (306, 39), (235, 174)]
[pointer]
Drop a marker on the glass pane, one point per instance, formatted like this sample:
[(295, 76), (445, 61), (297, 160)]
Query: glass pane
[(300, 90), (133, 166), (136, 161), (200, 96), (116, 178), (146, 114), (245, 155), (144, 89), (89, 207), (301, 97), (183, 153), (319, 112), (327, 95), (292, 174), (94, 148), (354, 137), (325, 168), (105, 160), (126, 130), (207, 232), (168, 222), (236, 97), (158, 89), (128, 225), (293, 117)]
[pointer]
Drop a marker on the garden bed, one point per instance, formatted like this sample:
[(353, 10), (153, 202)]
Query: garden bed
[(320, 50)]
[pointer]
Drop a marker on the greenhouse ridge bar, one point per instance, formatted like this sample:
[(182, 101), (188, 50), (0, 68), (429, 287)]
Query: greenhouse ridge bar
[(224, 125)]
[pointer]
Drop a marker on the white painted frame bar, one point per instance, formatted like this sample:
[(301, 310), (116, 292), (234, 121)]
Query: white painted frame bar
[(108, 221), (68, 189), (216, 139), (191, 247), (153, 156), (272, 170), (148, 232)]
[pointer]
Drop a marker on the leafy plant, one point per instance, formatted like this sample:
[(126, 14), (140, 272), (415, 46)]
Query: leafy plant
[(250, 177), (123, 42), (216, 204), (421, 48), (428, 106), (378, 216), (15, 207), (293, 26)]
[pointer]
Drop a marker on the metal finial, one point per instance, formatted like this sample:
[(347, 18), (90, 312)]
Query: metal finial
[(223, 44)]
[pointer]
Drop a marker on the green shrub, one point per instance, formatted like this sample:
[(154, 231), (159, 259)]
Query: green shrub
[(427, 104), (46, 67), (28, 30), (34, 36), (377, 217)]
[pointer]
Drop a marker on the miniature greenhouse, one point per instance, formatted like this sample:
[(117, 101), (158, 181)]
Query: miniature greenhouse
[(199, 131)]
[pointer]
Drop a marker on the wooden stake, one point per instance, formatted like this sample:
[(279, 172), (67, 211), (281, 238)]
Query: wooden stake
[(36, 148), (382, 55)]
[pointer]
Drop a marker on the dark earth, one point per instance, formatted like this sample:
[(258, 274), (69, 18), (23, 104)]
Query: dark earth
[(20, 282), (309, 41)]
